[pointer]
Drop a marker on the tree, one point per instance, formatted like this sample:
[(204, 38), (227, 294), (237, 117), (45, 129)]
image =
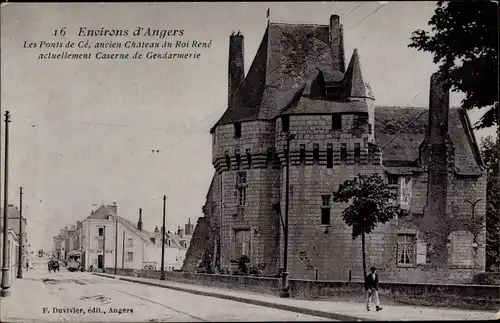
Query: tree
[(464, 41), (490, 152), (370, 202)]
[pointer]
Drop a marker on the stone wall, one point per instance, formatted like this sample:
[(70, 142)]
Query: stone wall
[(458, 296), (200, 244)]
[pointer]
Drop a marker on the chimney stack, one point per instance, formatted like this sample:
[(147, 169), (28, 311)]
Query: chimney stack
[(336, 38), (189, 228), (236, 72), (437, 187), (139, 224), (113, 208)]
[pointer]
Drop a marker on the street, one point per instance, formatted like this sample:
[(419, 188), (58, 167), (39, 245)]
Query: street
[(81, 296)]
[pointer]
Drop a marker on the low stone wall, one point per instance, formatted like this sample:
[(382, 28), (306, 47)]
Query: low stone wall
[(457, 296)]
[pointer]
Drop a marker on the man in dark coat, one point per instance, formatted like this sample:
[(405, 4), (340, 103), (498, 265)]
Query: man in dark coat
[(372, 289)]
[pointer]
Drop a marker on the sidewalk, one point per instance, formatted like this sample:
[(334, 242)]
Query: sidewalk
[(337, 310), (29, 296)]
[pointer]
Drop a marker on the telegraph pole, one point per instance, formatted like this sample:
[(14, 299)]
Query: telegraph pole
[(104, 249), (162, 275), (123, 251), (6, 266), (116, 243), (285, 292), (20, 260)]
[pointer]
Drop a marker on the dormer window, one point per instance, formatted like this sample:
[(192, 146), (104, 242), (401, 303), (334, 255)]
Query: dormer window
[(285, 123), (237, 130), (337, 121)]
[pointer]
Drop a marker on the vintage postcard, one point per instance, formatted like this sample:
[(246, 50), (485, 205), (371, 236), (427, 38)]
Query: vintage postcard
[(316, 161)]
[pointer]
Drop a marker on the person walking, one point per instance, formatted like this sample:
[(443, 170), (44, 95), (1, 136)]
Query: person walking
[(372, 289)]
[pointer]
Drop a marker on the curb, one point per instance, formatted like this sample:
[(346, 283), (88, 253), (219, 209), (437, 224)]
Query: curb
[(289, 308)]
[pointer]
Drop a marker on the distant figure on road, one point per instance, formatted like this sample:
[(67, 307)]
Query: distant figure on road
[(372, 289), (27, 266)]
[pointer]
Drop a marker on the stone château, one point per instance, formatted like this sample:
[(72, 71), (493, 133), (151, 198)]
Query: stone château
[(298, 83)]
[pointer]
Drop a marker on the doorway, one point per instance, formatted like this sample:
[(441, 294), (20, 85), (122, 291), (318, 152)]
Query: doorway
[(99, 261)]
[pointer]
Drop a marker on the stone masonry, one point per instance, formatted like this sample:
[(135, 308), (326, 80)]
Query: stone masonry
[(298, 84)]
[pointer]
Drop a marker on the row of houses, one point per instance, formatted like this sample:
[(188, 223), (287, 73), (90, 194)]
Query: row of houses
[(13, 239), (105, 239)]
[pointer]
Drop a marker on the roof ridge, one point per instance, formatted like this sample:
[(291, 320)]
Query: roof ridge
[(296, 24)]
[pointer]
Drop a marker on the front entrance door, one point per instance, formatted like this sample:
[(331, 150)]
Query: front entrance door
[(99, 262)]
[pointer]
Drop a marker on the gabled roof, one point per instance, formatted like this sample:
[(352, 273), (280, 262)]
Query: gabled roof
[(103, 212), (287, 54), (173, 237), (399, 131)]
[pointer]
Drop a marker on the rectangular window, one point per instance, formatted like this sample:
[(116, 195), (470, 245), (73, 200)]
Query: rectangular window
[(325, 209), (100, 244), (101, 231), (302, 154), (343, 153), (325, 200), (228, 161), (406, 249), (241, 243), (357, 152), (316, 153), (370, 128), (130, 256), (329, 157), (130, 242), (241, 184), (392, 179), (237, 130), (337, 121), (285, 123)]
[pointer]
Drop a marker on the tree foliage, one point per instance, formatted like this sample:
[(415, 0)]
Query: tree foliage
[(371, 203), (464, 41), (490, 152)]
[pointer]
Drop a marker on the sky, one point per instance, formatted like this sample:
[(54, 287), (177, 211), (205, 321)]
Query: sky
[(82, 131)]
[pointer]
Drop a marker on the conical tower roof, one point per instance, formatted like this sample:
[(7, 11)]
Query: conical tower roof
[(355, 86)]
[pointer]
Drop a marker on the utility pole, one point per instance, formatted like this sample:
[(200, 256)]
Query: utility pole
[(104, 249), (162, 275), (20, 260), (5, 267), (123, 251), (285, 292), (116, 243)]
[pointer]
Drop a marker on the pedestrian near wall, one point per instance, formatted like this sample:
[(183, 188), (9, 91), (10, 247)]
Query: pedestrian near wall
[(372, 289)]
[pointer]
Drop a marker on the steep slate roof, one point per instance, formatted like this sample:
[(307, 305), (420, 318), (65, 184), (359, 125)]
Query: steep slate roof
[(355, 86), (103, 212), (400, 131), (311, 106), (287, 54)]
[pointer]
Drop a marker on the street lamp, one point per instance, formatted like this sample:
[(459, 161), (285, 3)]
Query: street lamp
[(5, 256), (162, 275), (285, 291)]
